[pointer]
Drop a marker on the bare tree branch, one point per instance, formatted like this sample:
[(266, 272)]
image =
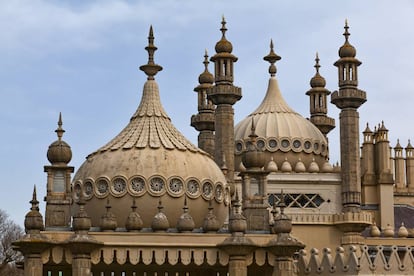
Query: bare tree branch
[(9, 232)]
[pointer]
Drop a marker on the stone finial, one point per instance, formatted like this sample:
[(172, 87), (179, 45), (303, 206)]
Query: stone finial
[(402, 231), (151, 69), (160, 221), (271, 166), (300, 166), (374, 231), (272, 57), (33, 222), (313, 167), (206, 77), (388, 231), (211, 224), (282, 223), (317, 80), (347, 50), (59, 151), (81, 221), (134, 222), (237, 222), (185, 222), (223, 45), (286, 166), (108, 220)]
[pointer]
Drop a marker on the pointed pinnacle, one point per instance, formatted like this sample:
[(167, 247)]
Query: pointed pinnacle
[(59, 131), (272, 57), (151, 69), (346, 33), (206, 62), (317, 66), (223, 26), (34, 202)]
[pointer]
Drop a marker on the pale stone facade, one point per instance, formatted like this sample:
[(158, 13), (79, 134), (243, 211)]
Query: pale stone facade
[(255, 198)]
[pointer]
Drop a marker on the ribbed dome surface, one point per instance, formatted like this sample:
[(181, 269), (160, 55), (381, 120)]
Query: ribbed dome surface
[(147, 160), (283, 132)]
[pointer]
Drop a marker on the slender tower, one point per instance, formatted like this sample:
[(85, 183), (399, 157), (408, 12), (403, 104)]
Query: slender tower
[(348, 99), (58, 198), (203, 121), (318, 102), (224, 95)]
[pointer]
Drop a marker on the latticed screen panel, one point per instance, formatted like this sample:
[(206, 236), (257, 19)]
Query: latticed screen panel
[(297, 200)]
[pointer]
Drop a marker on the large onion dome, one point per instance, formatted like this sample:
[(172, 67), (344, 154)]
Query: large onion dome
[(281, 132), (149, 161)]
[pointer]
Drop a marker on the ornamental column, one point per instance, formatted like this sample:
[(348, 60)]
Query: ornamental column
[(349, 98), (224, 95)]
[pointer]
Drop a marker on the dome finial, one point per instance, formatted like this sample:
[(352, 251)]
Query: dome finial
[(272, 57), (60, 130), (282, 204), (34, 201), (317, 66), (151, 69), (253, 134), (346, 27), (223, 26)]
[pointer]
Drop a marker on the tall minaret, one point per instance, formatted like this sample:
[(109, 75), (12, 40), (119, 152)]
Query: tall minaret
[(204, 120), (58, 198), (318, 103), (349, 98), (224, 95)]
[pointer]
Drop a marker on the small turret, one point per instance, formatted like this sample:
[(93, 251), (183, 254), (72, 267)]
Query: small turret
[(33, 222), (318, 102), (58, 198)]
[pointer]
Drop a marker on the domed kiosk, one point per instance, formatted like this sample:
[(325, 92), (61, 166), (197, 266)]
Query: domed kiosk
[(151, 162), (282, 133)]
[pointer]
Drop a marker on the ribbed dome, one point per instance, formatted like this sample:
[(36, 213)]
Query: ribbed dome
[(282, 132), (151, 160), (347, 50)]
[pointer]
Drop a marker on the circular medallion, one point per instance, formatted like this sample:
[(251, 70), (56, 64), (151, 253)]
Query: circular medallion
[(219, 193), (102, 187), (119, 186), (157, 185), (88, 189), (175, 186), (207, 190), (193, 188), (77, 190), (260, 144), (137, 185), (239, 147)]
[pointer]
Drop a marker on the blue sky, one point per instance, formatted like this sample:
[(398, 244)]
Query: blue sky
[(81, 58)]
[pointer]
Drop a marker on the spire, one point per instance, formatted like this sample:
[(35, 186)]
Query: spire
[(185, 222), (223, 27), (253, 134), (346, 33), (160, 221), (151, 69), (34, 201), (317, 66), (272, 57), (33, 222), (60, 130)]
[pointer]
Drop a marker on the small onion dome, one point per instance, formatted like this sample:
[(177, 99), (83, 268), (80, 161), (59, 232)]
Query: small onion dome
[(271, 166), (388, 231), (317, 80), (253, 158), (347, 50), (108, 220), (160, 221), (223, 45), (286, 167), (81, 221), (374, 231), (402, 231), (211, 224), (300, 167), (327, 167), (282, 223), (134, 221), (33, 222), (59, 151), (206, 76), (185, 222), (313, 167), (237, 222)]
